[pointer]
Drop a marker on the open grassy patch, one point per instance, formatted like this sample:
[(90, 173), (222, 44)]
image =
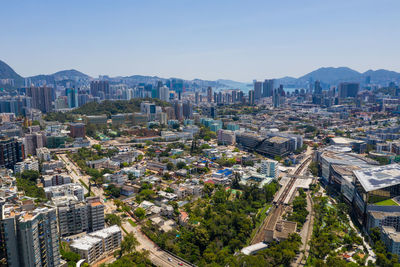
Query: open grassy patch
[(387, 202)]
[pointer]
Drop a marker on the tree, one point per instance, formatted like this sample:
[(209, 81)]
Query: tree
[(140, 213), (30, 175), (236, 180), (180, 165), (170, 166), (113, 219), (129, 244)]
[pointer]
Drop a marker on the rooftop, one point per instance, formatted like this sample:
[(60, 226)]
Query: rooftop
[(391, 233), (104, 233), (85, 243), (379, 177), (278, 139)]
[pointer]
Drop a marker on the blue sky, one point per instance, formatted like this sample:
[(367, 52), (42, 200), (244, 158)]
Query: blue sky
[(238, 40)]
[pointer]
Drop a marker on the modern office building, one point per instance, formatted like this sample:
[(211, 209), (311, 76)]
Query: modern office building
[(268, 146), (391, 239), (374, 185)]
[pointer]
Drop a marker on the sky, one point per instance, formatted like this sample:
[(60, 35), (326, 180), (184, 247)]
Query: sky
[(207, 39)]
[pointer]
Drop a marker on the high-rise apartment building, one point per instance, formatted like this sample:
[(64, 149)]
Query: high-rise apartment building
[(32, 142), (164, 93), (96, 213), (100, 89), (276, 98), (317, 88), (11, 152), (348, 89), (251, 97), (270, 168), (257, 90), (209, 94), (268, 88), (187, 110), (29, 237), (41, 98)]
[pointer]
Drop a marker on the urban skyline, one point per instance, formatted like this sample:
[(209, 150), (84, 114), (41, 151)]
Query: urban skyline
[(207, 40)]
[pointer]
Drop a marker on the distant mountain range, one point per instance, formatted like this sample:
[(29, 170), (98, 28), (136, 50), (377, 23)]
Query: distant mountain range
[(334, 76), (328, 76)]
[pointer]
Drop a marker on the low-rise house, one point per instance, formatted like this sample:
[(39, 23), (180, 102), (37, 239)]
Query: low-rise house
[(183, 217)]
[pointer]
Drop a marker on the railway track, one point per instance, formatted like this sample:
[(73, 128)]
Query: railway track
[(270, 221)]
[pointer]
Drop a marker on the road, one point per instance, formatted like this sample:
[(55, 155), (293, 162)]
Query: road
[(305, 234), (157, 256)]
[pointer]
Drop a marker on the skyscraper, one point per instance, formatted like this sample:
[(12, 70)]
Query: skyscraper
[(348, 89), (29, 237), (72, 97), (178, 110), (176, 85), (187, 110), (257, 90), (276, 98), (234, 96), (251, 97), (317, 88), (11, 152), (268, 87), (41, 98), (164, 93), (209, 94), (100, 89), (196, 97)]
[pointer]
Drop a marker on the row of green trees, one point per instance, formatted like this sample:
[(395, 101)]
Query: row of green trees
[(219, 225), (299, 213)]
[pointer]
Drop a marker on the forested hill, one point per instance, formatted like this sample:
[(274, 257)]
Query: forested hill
[(109, 107), (106, 107)]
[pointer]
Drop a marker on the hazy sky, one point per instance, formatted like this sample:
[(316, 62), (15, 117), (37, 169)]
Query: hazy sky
[(207, 39)]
